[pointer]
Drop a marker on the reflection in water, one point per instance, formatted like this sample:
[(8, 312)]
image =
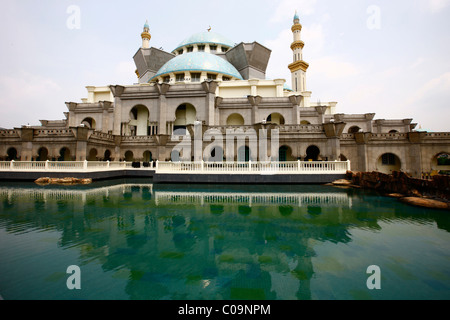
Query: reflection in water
[(212, 242)]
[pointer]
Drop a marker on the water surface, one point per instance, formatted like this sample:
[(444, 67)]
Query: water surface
[(135, 240)]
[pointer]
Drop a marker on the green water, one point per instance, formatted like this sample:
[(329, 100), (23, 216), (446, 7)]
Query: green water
[(134, 240)]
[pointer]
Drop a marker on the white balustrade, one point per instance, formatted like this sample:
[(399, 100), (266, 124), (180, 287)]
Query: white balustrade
[(200, 167), (298, 167)]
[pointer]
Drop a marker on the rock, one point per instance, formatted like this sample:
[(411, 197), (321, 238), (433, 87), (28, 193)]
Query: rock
[(426, 203), (395, 195), (342, 182), (62, 181), (43, 181)]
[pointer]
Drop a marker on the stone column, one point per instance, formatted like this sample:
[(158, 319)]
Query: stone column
[(162, 89), (296, 101), (117, 92), (210, 89), (26, 134), (255, 101)]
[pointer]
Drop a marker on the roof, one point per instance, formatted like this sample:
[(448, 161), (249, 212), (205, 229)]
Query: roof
[(198, 61), (206, 37)]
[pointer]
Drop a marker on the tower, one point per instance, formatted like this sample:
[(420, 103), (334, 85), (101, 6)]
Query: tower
[(298, 67), (145, 35)]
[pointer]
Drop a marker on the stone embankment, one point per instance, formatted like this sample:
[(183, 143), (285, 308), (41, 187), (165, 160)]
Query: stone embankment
[(433, 193), (62, 181)]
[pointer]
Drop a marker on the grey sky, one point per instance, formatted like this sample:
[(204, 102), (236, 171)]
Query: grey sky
[(387, 57)]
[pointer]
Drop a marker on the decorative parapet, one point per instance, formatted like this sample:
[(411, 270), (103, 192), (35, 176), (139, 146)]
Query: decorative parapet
[(304, 128), (53, 132), (9, 133)]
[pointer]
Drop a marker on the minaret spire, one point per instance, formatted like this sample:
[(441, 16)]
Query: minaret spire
[(298, 67), (145, 35)]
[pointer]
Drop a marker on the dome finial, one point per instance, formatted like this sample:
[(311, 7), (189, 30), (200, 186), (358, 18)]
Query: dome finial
[(296, 18), (209, 29)]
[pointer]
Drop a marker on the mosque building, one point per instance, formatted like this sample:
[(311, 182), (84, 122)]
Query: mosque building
[(214, 82)]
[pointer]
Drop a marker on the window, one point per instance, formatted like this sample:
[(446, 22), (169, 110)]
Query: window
[(226, 78), (388, 159), (190, 49), (180, 51), (166, 79), (213, 48), (224, 49), (179, 77), (195, 77), (201, 48), (443, 159), (212, 76)]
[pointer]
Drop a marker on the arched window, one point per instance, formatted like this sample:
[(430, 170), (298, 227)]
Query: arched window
[(89, 122), (305, 122), (275, 118), (139, 118), (235, 119), (354, 129), (388, 162), (443, 159), (184, 115)]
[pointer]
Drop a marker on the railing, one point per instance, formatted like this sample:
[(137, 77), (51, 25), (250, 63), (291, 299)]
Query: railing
[(250, 167), (66, 166)]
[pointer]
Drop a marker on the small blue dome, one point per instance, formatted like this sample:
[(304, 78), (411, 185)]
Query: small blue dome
[(296, 16), (206, 37), (198, 61)]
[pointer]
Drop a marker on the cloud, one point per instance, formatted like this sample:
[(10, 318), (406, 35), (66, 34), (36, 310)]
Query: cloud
[(333, 67), (28, 97), (286, 9), (437, 6)]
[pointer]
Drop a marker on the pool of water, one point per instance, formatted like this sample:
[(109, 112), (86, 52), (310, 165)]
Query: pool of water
[(135, 240)]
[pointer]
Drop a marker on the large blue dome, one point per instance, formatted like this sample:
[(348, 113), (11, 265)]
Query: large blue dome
[(206, 37), (198, 61)]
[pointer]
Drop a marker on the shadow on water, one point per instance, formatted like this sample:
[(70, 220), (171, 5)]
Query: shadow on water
[(203, 241)]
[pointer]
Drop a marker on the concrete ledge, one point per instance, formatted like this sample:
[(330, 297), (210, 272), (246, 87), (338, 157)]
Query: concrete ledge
[(247, 178), (94, 175)]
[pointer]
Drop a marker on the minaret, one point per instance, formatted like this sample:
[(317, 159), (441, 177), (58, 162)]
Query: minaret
[(298, 67), (145, 35)]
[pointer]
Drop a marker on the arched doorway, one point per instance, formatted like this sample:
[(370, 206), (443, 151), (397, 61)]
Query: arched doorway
[(11, 154), (244, 154), (388, 162), (64, 154), (42, 154), (184, 115), (312, 153), (92, 155), (147, 156), (88, 122), (129, 157), (275, 118), (285, 154), (139, 117), (107, 155), (235, 119)]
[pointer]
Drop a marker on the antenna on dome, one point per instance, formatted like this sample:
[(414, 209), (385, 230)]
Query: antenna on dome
[(209, 29)]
